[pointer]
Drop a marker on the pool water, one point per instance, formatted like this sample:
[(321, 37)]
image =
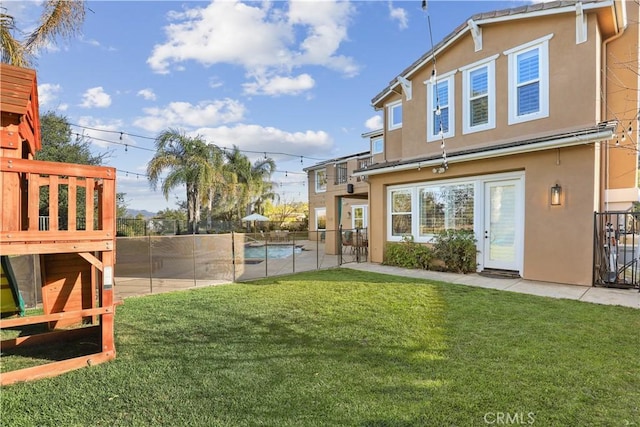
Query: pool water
[(273, 252)]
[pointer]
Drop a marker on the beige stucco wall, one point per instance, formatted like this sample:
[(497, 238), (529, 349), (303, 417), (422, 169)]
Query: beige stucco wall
[(558, 240), (573, 87)]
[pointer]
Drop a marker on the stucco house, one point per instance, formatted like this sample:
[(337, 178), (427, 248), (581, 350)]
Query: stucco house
[(518, 125)]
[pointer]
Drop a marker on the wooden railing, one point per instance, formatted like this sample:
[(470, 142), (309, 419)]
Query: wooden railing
[(28, 184)]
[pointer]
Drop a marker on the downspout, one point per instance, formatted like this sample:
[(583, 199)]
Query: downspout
[(603, 108)]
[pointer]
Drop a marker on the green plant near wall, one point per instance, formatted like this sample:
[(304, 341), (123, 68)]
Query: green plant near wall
[(408, 254), (457, 250)]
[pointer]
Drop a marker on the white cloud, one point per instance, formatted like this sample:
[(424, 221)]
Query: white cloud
[(147, 94), (185, 114), (279, 85), (271, 140), (96, 97), (218, 33), (48, 93), (374, 123), (399, 14)]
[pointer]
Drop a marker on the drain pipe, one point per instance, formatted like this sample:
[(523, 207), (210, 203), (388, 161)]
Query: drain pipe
[(603, 109)]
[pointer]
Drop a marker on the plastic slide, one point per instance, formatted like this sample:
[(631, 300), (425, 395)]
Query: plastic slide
[(10, 299)]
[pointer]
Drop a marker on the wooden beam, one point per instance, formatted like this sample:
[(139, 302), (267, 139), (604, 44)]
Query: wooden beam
[(47, 337), (55, 368), (54, 248), (56, 168), (91, 259), (43, 318)]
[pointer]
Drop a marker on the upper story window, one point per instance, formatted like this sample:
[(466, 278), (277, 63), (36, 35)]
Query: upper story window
[(479, 96), (529, 81), (394, 113), (321, 181), (341, 173), (441, 108), (377, 145)]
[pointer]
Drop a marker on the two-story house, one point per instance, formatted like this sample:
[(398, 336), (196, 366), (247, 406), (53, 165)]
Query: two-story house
[(518, 125)]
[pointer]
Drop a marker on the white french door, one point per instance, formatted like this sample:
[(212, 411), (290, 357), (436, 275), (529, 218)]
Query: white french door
[(503, 225)]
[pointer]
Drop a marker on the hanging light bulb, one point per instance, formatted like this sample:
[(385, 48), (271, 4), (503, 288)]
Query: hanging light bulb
[(433, 76), (126, 147), (438, 112), (301, 161), (120, 136)]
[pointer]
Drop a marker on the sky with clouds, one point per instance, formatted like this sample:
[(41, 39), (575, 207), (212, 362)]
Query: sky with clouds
[(292, 80)]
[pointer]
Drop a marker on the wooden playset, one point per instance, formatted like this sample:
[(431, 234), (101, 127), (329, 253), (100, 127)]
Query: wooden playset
[(75, 242)]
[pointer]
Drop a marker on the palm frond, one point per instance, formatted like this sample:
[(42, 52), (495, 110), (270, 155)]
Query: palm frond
[(61, 18)]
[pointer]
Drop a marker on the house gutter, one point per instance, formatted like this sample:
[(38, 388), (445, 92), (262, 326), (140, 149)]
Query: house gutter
[(452, 158), (621, 25)]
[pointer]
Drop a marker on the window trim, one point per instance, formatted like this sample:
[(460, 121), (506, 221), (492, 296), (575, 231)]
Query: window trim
[(316, 211), (365, 214), (542, 45), (390, 115), (373, 144), (449, 78), (478, 203), (318, 188), (490, 64)]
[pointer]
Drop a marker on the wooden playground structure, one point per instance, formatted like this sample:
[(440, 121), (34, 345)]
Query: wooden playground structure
[(76, 249)]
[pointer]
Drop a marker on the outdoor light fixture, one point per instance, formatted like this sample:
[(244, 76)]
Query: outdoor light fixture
[(556, 194)]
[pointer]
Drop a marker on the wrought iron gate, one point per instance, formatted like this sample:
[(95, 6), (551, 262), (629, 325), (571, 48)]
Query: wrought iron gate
[(616, 260)]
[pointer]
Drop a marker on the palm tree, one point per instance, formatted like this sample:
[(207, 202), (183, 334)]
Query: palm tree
[(188, 161), (253, 181), (60, 18)]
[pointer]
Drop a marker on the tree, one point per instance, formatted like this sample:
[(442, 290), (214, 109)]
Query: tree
[(59, 145), (188, 161), (254, 184), (60, 18)]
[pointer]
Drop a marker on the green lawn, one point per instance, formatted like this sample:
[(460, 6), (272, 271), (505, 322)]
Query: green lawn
[(350, 348)]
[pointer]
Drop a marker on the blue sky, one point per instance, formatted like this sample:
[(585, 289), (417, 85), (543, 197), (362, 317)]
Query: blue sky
[(294, 78)]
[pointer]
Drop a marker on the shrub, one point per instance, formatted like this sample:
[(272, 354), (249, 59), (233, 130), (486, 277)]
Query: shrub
[(408, 254), (457, 250)]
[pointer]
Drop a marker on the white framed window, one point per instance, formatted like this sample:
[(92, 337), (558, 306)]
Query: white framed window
[(321, 218), (529, 81), (394, 114), (401, 203), (423, 209), (359, 216), (377, 145), (441, 108), (445, 207), (479, 96), (321, 181)]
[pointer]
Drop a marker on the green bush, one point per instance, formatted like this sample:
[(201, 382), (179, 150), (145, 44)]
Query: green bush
[(457, 250), (408, 254)]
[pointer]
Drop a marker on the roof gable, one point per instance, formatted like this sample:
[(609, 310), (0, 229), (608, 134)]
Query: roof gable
[(522, 12), (19, 96)]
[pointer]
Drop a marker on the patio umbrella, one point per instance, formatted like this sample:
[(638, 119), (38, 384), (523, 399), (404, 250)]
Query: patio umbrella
[(255, 217)]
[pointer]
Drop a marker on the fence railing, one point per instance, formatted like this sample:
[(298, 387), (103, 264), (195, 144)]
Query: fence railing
[(616, 261), (159, 263)]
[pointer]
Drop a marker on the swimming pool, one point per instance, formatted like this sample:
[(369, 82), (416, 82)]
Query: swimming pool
[(273, 251)]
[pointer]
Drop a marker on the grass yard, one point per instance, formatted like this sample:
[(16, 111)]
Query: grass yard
[(348, 348)]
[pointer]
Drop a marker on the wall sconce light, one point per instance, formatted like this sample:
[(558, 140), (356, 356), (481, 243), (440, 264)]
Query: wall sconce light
[(556, 195)]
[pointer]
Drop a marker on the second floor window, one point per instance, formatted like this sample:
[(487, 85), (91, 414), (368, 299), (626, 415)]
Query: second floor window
[(441, 109), (478, 83), (341, 173), (321, 181), (529, 81), (377, 145), (394, 113)]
